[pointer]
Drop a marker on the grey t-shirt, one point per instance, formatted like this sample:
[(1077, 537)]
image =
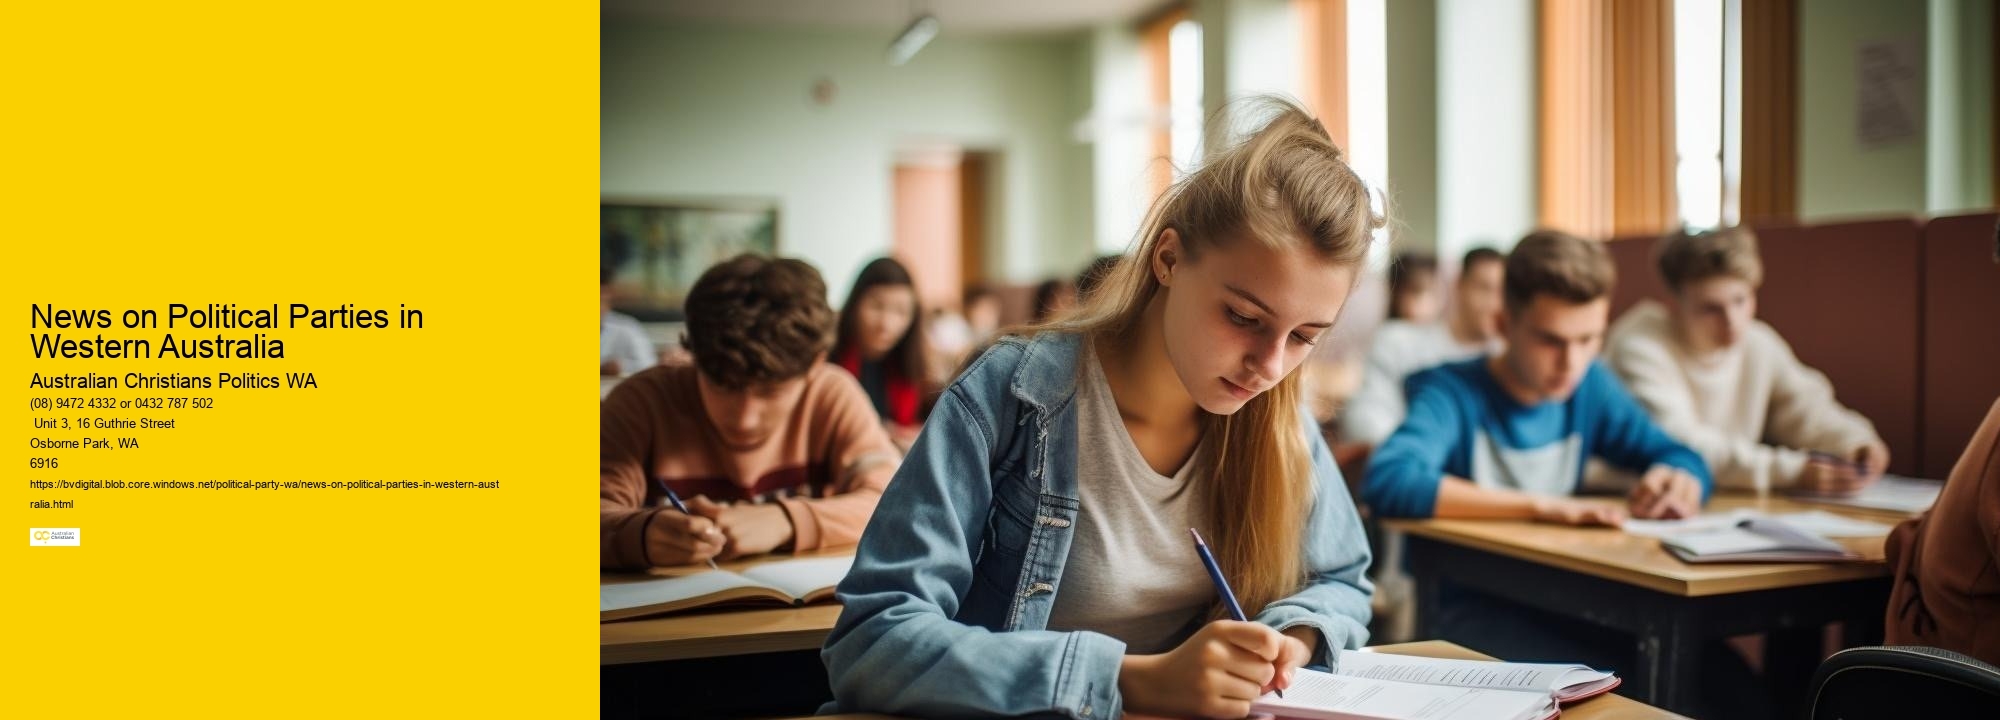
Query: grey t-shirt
[(1132, 571)]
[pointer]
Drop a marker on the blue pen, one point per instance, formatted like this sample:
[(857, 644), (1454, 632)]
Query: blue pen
[(676, 500), (1221, 583)]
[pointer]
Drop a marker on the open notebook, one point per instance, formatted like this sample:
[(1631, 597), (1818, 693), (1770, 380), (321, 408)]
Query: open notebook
[(1890, 492), (1380, 686), (1817, 522), (1756, 539), (788, 582)]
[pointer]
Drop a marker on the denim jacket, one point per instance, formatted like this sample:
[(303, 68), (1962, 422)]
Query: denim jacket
[(946, 608)]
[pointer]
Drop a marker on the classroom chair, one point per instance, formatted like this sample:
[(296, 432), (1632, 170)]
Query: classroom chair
[(1902, 682)]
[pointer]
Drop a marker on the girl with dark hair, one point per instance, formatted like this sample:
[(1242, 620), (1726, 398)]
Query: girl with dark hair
[(882, 344)]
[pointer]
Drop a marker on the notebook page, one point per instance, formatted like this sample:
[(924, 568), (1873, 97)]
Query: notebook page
[(801, 577), (1726, 540), (1538, 677), (1891, 492), (1826, 524), (1699, 523), (1318, 695), (1791, 538), (624, 596), (1818, 522)]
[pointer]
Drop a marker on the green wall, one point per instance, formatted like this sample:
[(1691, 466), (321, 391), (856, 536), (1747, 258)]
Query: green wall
[(694, 111)]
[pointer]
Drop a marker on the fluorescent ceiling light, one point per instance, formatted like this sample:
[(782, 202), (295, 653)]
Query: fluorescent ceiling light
[(913, 39)]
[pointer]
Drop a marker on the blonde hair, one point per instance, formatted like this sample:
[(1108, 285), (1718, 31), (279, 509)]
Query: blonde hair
[(1686, 257), (1283, 183)]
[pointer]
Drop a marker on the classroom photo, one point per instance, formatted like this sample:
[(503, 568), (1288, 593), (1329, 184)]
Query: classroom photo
[(1332, 359)]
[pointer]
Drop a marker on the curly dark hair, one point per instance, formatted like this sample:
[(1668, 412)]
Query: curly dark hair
[(753, 320)]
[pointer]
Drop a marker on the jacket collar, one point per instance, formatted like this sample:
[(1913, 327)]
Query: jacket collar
[(1046, 375)]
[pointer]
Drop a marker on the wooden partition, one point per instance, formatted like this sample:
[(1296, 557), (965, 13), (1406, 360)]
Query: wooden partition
[(1638, 277), (1846, 297), (1961, 335)]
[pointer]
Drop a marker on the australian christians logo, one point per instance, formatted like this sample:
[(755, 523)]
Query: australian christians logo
[(54, 537)]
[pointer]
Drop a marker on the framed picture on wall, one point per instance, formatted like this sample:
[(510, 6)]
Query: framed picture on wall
[(658, 247)]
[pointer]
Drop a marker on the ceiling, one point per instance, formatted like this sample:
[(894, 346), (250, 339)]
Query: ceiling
[(970, 17)]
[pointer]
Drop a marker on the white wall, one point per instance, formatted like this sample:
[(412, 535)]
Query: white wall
[(701, 111)]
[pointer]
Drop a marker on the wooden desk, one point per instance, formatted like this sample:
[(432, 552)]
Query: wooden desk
[(1611, 554), (1602, 707), (701, 634), (1630, 584)]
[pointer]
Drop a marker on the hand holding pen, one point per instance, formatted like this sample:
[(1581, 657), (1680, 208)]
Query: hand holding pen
[(683, 537), (1283, 673), (1829, 474), (1220, 671)]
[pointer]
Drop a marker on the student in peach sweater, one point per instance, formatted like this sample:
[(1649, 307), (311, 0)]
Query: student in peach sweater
[(770, 447), (1724, 382)]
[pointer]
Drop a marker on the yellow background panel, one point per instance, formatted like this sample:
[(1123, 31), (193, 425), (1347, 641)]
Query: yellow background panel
[(436, 155)]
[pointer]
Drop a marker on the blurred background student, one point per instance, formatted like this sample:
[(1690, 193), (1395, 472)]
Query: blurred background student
[(954, 334), (882, 345), (1405, 345), (1725, 383), (1413, 290), (1093, 274), (1052, 297), (622, 345)]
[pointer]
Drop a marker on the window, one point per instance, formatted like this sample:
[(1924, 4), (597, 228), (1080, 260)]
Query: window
[(1368, 103), (1705, 188), (1184, 110), (1345, 52), (1172, 43)]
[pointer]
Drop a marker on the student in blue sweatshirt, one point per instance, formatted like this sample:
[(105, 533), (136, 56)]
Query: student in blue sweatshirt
[(1507, 435)]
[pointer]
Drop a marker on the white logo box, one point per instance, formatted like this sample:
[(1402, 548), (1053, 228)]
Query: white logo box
[(54, 537)]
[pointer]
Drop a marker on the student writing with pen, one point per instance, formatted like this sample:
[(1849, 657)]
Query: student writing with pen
[(1031, 556), (770, 447)]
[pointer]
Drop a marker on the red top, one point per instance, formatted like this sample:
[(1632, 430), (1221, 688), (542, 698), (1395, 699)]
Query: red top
[(902, 392)]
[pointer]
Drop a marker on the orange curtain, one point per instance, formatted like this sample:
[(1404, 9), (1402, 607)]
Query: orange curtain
[(1576, 118), (1153, 36), (1323, 50), (1607, 138), (1770, 189)]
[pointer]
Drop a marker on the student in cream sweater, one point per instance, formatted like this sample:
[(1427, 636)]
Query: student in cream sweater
[(1725, 383)]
